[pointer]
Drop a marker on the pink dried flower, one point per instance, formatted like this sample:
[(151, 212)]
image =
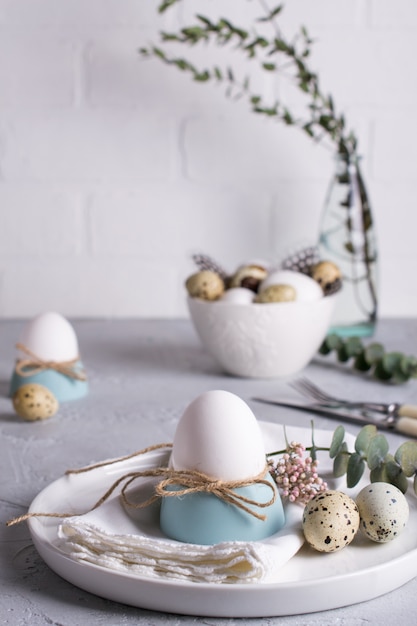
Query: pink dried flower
[(297, 478)]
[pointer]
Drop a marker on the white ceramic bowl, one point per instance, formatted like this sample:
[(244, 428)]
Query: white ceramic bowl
[(262, 340)]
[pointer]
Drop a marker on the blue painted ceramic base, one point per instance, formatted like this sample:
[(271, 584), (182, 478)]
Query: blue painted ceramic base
[(63, 387), (202, 518)]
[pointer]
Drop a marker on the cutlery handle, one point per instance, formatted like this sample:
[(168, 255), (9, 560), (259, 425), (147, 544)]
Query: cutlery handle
[(408, 410), (406, 426)]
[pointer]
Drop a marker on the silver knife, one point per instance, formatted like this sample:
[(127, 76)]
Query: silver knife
[(403, 425)]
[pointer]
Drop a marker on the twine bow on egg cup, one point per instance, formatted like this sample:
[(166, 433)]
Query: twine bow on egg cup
[(67, 380), (194, 507)]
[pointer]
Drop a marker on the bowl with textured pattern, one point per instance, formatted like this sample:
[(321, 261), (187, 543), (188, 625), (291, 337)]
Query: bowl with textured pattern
[(254, 340)]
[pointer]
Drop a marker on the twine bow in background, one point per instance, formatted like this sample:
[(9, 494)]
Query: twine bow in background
[(188, 481), (35, 365)]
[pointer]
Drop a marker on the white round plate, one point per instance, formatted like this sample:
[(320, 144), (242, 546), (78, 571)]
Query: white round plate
[(309, 582)]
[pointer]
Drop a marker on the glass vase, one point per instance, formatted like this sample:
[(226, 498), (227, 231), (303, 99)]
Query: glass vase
[(347, 237)]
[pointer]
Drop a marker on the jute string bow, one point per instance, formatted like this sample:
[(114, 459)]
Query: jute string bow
[(188, 481), (34, 365)]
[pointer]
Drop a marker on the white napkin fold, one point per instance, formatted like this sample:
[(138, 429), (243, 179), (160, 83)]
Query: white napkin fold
[(109, 537)]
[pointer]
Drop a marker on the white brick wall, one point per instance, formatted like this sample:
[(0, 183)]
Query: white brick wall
[(113, 170)]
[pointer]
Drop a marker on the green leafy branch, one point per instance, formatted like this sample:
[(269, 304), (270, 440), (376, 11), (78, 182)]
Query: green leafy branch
[(394, 367), (372, 451), (273, 54)]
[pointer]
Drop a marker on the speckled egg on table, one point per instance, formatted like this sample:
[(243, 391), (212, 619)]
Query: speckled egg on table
[(384, 511), (34, 402), (330, 521)]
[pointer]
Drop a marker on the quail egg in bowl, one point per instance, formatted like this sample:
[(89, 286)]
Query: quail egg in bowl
[(270, 330)]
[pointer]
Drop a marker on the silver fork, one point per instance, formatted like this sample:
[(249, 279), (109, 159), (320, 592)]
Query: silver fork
[(310, 390)]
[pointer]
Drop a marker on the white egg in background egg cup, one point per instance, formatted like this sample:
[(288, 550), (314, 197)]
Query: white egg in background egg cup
[(51, 339)]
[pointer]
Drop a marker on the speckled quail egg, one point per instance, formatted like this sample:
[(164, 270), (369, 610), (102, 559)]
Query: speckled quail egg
[(328, 276), (206, 285), (330, 521), (308, 290), (249, 276), (277, 293), (34, 402), (384, 511)]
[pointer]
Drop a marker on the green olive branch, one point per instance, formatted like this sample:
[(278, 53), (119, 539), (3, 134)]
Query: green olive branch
[(272, 55)]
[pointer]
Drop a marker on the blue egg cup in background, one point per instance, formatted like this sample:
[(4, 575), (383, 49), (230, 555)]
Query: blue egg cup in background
[(63, 387), (203, 518)]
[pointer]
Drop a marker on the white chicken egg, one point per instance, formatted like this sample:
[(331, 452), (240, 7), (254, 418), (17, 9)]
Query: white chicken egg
[(219, 435), (50, 337), (238, 295), (307, 289), (384, 511)]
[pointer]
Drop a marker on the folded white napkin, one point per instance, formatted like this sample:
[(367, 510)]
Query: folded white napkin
[(112, 538)]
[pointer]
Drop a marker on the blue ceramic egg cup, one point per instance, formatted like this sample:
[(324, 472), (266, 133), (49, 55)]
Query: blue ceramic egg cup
[(202, 518), (63, 387)]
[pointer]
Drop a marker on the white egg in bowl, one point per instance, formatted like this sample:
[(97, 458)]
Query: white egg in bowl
[(259, 340)]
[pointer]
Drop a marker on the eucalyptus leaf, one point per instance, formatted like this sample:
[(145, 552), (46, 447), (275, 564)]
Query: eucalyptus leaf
[(377, 451), (353, 346), (374, 352), (342, 354), (406, 456), (166, 5), (273, 13), (381, 372), (204, 76), (159, 53), (324, 348), (390, 472), (208, 23), (391, 361), (337, 441), (399, 376), (340, 463), (355, 469), (365, 435), (409, 366), (361, 364)]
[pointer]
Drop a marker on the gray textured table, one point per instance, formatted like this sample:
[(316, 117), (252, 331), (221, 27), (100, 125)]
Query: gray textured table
[(142, 374)]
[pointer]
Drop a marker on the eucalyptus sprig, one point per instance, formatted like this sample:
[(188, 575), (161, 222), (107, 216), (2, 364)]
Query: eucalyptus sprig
[(372, 451), (394, 367), (271, 54)]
